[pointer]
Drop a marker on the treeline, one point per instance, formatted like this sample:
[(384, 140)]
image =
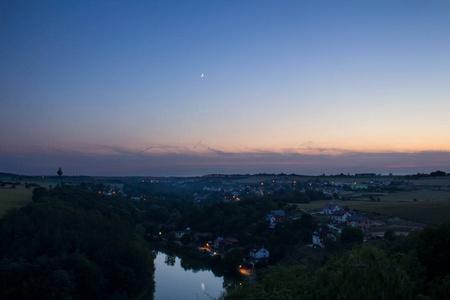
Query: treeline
[(72, 243), (412, 267), (437, 173), (296, 196)]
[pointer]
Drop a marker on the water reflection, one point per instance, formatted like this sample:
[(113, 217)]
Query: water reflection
[(176, 279), (170, 260)]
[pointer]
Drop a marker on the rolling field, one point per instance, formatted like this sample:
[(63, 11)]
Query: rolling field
[(50, 182), (419, 195), (427, 212), (14, 198), (429, 204), (440, 181)]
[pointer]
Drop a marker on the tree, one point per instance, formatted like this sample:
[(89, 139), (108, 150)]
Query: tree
[(352, 235), (389, 235), (277, 282), (232, 260), (438, 173), (364, 273), (185, 239), (434, 250), (170, 260), (64, 245), (170, 240)]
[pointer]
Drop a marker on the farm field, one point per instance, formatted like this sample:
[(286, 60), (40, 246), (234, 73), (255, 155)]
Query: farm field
[(427, 212), (49, 182), (419, 195), (46, 182), (14, 198), (434, 181)]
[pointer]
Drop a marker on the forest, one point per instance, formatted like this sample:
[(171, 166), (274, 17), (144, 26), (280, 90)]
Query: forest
[(72, 243)]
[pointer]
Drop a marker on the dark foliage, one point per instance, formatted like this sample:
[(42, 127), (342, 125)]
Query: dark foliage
[(352, 235), (73, 244), (412, 267)]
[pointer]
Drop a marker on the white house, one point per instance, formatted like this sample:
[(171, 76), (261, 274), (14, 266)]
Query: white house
[(330, 207), (280, 213), (258, 252), (274, 220), (340, 216), (319, 235)]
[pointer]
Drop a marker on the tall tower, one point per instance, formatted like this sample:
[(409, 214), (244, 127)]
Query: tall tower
[(60, 172)]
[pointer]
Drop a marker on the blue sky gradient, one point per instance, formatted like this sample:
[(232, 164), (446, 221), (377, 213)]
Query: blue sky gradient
[(309, 87)]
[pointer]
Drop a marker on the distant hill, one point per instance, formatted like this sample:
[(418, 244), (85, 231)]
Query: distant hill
[(9, 175)]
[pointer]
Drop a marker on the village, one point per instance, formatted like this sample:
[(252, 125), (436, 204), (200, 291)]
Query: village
[(331, 221)]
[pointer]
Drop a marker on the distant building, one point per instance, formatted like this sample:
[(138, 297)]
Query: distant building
[(202, 237), (340, 216), (217, 242), (258, 252), (280, 213), (360, 221), (222, 243), (274, 220), (319, 235), (330, 207), (365, 174), (179, 234)]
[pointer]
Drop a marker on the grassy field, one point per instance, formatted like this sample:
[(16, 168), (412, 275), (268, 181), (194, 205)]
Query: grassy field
[(419, 195), (54, 182), (427, 212), (14, 198), (441, 181)]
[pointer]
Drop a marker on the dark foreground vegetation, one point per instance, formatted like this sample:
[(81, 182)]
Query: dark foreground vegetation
[(94, 242), (413, 267), (73, 244)]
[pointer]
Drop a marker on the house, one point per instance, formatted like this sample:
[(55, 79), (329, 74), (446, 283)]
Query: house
[(360, 221), (275, 217), (202, 237), (280, 213), (179, 234), (258, 252), (228, 243), (319, 235), (340, 216), (330, 207), (274, 220), (221, 243), (217, 242)]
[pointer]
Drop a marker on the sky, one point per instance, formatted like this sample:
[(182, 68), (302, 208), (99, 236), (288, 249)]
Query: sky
[(306, 87)]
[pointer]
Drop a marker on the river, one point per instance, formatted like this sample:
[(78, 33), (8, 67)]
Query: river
[(173, 282)]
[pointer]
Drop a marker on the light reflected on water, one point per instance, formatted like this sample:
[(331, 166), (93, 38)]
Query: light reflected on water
[(172, 282)]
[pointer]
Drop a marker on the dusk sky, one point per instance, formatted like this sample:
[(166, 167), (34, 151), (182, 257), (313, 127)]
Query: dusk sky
[(306, 87)]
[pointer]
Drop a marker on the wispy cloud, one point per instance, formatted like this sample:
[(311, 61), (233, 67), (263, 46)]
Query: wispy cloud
[(181, 160)]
